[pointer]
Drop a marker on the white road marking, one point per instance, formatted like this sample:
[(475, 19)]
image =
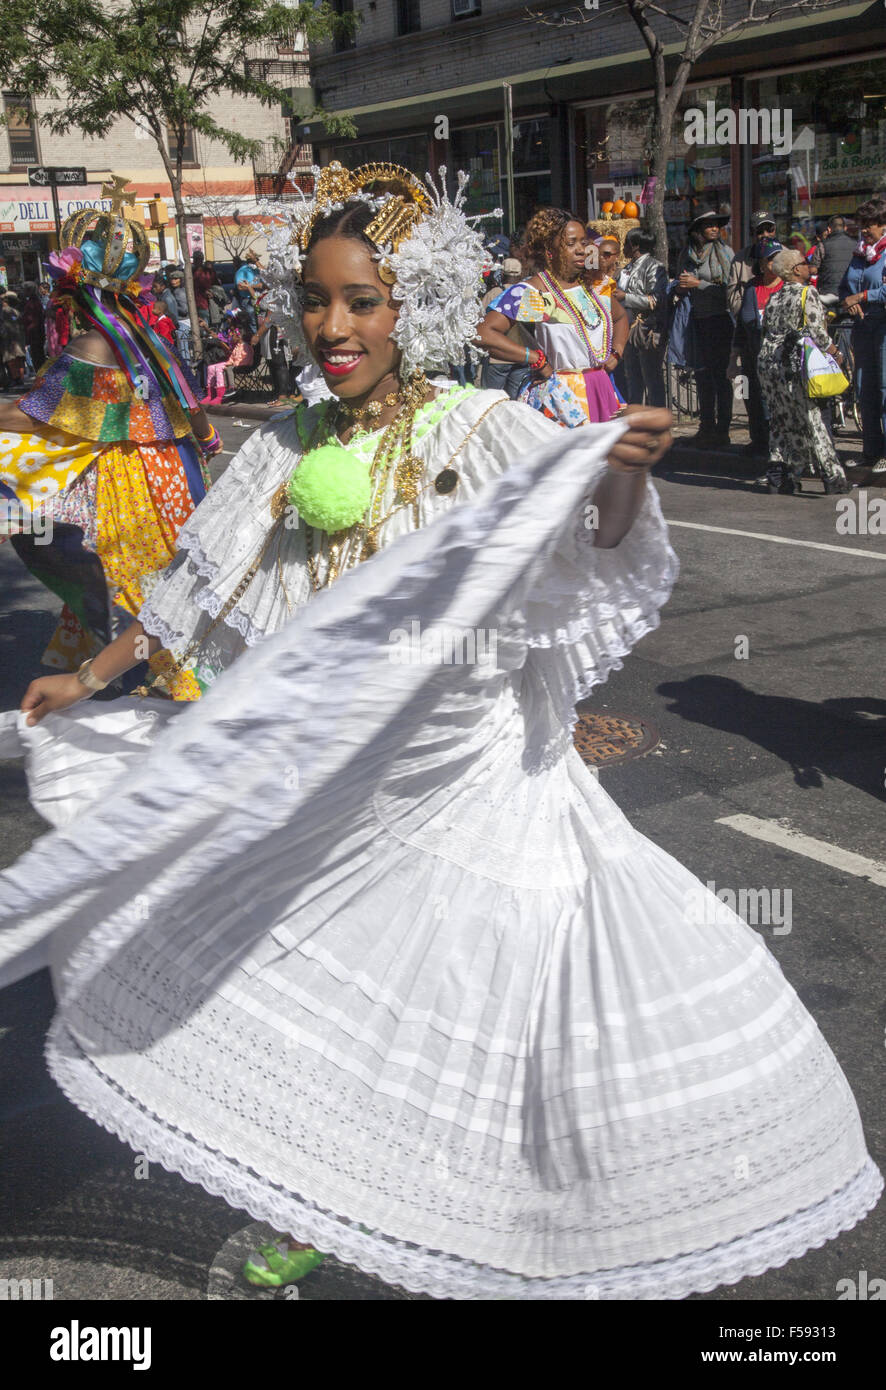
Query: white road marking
[(779, 540), (777, 833)]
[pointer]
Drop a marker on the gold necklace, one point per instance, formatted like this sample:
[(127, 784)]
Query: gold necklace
[(348, 548), (368, 412)]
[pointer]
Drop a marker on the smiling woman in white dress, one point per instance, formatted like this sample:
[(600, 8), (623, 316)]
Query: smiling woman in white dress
[(356, 941)]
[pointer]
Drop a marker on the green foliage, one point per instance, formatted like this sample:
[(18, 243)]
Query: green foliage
[(158, 62)]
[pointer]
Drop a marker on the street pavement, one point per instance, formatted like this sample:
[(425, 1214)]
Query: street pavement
[(764, 682)]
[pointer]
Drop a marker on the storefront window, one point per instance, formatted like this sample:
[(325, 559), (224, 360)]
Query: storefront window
[(532, 168), (409, 151), (480, 150), (476, 150), (838, 159), (614, 154)]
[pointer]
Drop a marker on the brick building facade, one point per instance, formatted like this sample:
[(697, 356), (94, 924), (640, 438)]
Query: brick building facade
[(215, 186)]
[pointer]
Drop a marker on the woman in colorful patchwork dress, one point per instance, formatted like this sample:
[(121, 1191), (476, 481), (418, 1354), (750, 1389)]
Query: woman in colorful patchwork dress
[(579, 334), (102, 462), (356, 941)]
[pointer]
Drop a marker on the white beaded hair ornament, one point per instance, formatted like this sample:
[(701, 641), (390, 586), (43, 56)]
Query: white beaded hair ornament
[(427, 251)]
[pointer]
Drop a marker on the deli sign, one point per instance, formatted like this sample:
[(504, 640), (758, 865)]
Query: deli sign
[(25, 210)]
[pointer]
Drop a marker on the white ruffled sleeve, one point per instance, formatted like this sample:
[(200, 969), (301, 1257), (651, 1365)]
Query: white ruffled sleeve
[(587, 606), (216, 547), (590, 604)]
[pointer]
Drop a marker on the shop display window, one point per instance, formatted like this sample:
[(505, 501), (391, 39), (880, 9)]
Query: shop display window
[(613, 159), (476, 150), (838, 161)]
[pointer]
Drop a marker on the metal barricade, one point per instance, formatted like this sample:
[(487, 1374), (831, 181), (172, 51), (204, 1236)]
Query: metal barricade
[(682, 395)]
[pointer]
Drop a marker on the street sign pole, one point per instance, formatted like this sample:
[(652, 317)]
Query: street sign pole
[(50, 176), (57, 215)]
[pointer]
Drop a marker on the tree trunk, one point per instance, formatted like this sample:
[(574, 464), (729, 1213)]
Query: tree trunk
[(180, 214), (657, 226), (175, 183)]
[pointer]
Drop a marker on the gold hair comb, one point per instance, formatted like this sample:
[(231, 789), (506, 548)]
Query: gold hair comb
[(394, 221)]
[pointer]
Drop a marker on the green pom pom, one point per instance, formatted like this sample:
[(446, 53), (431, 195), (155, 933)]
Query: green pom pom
[(330, 489)]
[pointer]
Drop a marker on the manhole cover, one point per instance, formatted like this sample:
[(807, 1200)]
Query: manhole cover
[(613, 738)]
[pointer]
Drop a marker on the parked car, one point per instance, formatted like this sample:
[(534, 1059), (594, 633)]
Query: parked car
[(226, 270)]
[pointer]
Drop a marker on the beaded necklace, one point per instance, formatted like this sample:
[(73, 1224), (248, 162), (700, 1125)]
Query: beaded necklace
[(347, 548), (563, 302)]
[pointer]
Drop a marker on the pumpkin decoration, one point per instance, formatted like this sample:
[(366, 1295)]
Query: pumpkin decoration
[(606, 209), (618, 207), (631, 210)]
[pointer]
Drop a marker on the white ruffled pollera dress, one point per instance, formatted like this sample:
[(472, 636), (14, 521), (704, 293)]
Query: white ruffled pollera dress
[(359, 944)]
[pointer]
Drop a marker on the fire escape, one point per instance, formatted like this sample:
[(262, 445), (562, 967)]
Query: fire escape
[(279, 162)]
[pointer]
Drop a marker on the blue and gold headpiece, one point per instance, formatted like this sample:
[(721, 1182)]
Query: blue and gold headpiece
[(114, 244)]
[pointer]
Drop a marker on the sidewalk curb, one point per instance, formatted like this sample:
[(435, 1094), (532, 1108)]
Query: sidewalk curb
[(734, 463), (247, 412), (723, 461)]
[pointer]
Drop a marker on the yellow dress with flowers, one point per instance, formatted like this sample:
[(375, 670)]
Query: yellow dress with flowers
[(94, 491)]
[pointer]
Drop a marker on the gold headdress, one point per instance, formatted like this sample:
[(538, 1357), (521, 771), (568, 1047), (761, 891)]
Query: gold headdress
[(407, 203), (427, 250), (118, 233)]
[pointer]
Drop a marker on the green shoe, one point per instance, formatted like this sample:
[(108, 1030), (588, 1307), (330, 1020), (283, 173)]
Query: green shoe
[(272, 1266)]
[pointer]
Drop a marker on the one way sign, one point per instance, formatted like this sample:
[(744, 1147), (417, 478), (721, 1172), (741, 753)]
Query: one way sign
[(47, 175)]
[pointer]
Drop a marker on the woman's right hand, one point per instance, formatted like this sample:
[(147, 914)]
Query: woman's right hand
[(49, 693)]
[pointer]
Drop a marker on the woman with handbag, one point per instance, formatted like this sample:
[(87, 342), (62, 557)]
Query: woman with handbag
[(579, 336), (645, 300), (797, 429)]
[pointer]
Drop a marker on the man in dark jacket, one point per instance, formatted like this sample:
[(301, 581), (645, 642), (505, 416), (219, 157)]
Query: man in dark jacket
[(742, 271), (176, 299), (833, 260)]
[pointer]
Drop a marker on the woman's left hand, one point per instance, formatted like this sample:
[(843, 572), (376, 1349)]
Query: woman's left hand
[(646, 440), (611, 362)]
